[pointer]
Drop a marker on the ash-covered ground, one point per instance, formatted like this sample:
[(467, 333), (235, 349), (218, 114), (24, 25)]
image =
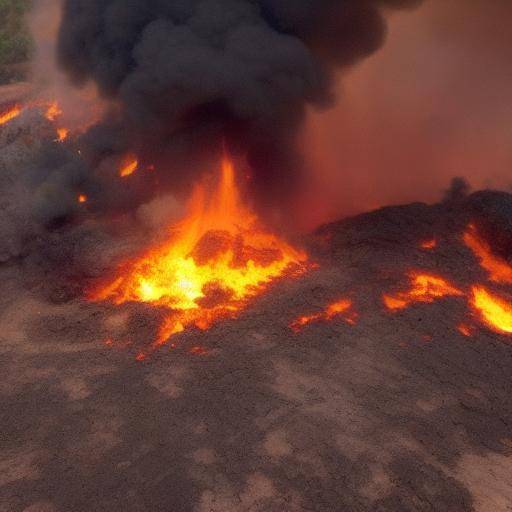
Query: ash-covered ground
[(399, 412)]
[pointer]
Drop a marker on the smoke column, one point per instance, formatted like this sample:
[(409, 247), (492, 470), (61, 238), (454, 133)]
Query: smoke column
[(187, 76)]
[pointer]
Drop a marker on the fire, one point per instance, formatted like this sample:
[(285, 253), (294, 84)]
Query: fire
[(429, 245), (465, 330), (82, 198), (10, 114), (424, 288), (129, 166), (494, 311), (216, 259), (62, 134), (341, 308), (499, 270), (53, 111)]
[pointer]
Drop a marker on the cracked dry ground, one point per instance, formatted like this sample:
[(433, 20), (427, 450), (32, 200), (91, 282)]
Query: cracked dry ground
[(399, 412)]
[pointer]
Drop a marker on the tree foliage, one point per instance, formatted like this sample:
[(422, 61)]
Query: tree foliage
[(15, 40)]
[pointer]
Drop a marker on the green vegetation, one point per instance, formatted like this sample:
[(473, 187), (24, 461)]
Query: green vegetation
[(15, 40)]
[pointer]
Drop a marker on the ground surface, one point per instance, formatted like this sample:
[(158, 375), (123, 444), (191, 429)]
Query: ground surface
[(399, 412)]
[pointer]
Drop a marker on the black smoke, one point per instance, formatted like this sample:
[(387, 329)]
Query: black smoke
[(187, 76)]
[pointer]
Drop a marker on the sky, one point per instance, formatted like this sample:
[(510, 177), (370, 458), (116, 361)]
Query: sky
[(434, 103)]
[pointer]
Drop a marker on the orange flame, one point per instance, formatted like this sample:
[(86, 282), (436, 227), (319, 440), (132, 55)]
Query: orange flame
[(82, 198), (499, 270), (10, 114), (465, 330), (53, 111), (494, 311), (62, 134), (340, 308), (129, 166), (424, 288), (429, 245), (214, 261)]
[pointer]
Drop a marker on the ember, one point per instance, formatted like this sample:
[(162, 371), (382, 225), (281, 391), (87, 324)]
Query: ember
[(424, 288), (216, 259), (429, 245), (129, 166), (341, 308)]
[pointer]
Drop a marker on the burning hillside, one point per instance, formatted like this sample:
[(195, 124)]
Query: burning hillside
[(169, 338)]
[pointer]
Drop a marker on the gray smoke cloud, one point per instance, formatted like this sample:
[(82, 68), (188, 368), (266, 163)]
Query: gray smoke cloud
[(187, 76)]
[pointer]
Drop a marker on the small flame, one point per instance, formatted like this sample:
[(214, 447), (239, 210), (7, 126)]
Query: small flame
[(424, 288), (340, 308), (53, 111), (82, 198), (10, 114), (429, 245), (499, 270), (494, 311), (129, 166), (62, 134)]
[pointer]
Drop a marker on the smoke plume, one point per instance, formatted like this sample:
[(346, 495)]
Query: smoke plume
[(432, 104), (185, 77)]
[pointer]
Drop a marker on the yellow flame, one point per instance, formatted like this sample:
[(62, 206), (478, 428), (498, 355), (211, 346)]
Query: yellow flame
[(216, 258), (495, 312), (10, 114), (499, 270)]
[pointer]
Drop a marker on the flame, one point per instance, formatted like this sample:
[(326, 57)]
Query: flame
[(494, 311), (424, 288), (62, 134), (341, 308), (429, 245), (499, 270), (82, 198), (214, 261), (53, 111), (10, 114), (129, 166)]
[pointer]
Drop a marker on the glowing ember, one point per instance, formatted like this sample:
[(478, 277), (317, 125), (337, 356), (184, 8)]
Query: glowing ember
[(199, 351), (82, 198), (494, 311), (429, 245), (499, 270), (10, 114), (341, 308), (465, 330), (62, 134), (214, 261), (128, 167), (53, 111), (424, 288)]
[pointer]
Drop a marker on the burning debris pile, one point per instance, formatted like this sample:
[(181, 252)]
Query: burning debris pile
[(214, 260)]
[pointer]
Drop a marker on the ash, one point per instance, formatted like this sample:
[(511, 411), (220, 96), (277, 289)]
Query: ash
[(398, 412)]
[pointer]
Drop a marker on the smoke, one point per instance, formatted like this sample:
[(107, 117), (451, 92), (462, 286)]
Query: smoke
[(434, 103), (189, 76), (80, 107)]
